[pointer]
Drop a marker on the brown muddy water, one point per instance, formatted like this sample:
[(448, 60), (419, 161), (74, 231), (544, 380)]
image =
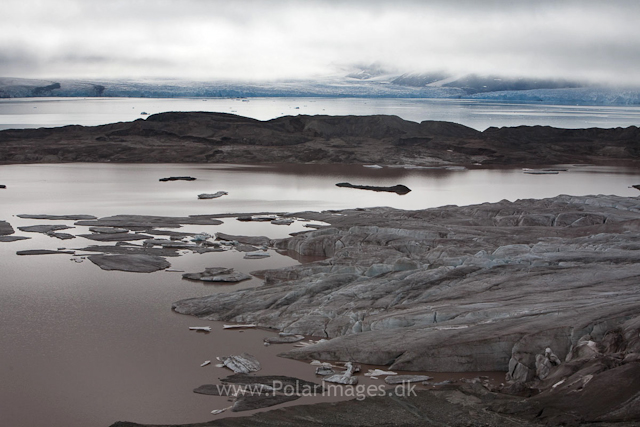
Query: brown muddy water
[(80, 346)]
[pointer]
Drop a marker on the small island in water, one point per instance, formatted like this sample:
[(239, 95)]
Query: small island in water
[(197, 137)]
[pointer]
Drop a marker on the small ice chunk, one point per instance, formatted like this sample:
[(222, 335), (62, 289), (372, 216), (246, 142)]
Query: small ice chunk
[(242, 364), (346, 378), (405, 379), (212, 195), (321, 370), (251, 325), (378, 373), (256, 255)]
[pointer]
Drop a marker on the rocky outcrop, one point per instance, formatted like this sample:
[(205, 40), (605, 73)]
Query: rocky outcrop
[(477, 288), (57, 217), (115, 237), (177, 178), (12, 238), (136, 263), (145, 222), (49, 230), (43, 252), (108, 230), (247, 240), (124, 255), (217, 274), (398, 189), (132, 250), (6, 228), (225, 138), (44, 229), (61, 236), (597, 381)]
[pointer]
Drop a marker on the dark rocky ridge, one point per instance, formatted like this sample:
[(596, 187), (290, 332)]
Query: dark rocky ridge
[(544, 290), (423, 290), (225, 138)]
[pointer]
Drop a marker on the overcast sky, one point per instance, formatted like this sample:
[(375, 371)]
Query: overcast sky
[(266, 40)]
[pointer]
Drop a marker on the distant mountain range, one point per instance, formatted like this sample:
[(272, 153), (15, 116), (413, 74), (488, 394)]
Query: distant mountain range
[(369, 82)]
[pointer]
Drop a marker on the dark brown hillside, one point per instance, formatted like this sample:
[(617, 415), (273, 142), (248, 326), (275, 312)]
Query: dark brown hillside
[(225, 138)]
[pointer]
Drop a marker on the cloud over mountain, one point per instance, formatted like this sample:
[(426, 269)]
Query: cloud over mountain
[(259, 40)]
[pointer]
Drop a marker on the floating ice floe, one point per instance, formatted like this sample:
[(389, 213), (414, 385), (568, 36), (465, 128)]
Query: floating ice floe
[(308, 343), (345, 378), (540, 171), (282, 221), (201, 237), (218, 411), (323, 371), (238, 326), (313, 225), (445, 382), (256, 255), (284, 339), (242, 364), (212, 195), (200, 328), (378, 373), (405, 379), (321, 364), (205, 363)]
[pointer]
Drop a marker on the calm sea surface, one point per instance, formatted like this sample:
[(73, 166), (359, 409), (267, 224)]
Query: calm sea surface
[(82, 347), (50, 112)]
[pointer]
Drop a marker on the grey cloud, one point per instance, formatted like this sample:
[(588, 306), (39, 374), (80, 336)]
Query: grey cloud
[(13, 62), (252, 39)]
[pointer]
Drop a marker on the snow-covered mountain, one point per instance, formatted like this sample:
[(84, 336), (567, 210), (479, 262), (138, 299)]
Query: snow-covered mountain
[(364, 83)]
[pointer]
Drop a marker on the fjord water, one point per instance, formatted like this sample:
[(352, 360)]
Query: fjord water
[(109, 189), (81, 346), (52, 112)]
